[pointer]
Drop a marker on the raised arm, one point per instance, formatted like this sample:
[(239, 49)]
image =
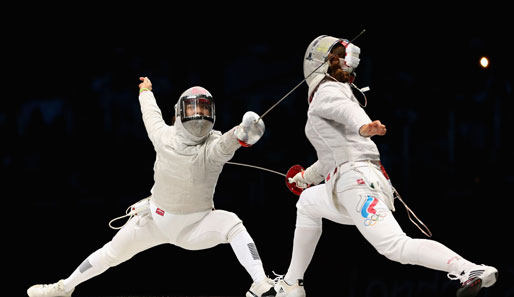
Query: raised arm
[(152, 116)]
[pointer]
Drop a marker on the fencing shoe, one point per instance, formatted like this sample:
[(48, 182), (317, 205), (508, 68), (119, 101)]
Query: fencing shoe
[(52, 290), (284, 289), (263, 288), (473, 278)]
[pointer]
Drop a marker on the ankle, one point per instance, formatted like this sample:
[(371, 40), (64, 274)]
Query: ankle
[(291, 281), (458, 264), (67, 286)]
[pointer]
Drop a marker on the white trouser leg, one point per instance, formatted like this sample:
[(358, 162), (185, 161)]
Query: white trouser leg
[(206, 229), (360, 206), (137, 235), (247, 254), (219, 227), (378, 225), (306, 236)]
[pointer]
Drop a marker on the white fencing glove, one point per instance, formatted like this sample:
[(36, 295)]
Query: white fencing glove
[(249, 131), (307, 177), (299, 180)]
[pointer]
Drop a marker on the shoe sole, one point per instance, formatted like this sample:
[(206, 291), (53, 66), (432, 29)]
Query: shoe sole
[(473, 287), (270, 293)]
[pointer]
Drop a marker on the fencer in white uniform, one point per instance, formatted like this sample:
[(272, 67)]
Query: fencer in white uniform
[(189, 158), (356, 189)]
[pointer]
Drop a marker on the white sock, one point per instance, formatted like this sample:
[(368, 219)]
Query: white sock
[(91, 267), (246, 253), (432, 254), (304, 245)]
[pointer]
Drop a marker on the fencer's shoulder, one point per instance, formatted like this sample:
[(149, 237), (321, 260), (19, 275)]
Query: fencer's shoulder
[(333, 86), (213, 135), (331, 90), (215, 138)]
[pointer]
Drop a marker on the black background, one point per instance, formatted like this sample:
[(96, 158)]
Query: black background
[(75, 152)]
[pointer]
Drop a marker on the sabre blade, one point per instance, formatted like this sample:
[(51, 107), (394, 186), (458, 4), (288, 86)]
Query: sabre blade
[(290, 173), (358, 35), (285, 96), (256, 167)]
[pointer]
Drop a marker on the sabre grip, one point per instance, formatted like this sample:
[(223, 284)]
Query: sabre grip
[(299, 180)]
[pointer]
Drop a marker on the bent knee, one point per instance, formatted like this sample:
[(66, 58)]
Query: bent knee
[(112, 257), (236, 229), (217, 227), (305, 220), (226, 223)]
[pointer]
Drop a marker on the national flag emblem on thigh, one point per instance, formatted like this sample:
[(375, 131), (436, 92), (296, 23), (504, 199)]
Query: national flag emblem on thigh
[(366, 208)]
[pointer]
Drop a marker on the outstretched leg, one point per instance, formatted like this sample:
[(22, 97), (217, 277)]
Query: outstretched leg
[(377, 224), (137, 235)]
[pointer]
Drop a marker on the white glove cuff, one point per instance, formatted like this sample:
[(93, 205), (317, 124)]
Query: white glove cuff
[(312, 177)]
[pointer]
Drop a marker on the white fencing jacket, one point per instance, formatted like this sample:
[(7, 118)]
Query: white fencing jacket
[(333, 122), (186, 168)]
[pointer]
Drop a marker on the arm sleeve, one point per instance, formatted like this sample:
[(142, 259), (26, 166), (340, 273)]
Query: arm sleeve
[(152, 116), (224, 147), (312, 174), (337, 106)]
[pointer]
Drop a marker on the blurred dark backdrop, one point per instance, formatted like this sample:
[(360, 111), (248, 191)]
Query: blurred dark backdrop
[(75, 153)]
